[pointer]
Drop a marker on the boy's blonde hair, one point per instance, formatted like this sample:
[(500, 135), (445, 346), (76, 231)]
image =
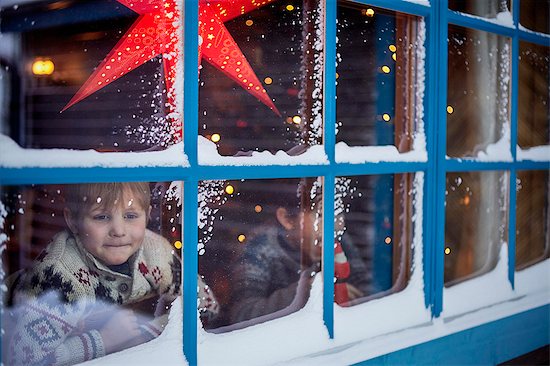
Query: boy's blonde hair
[(82, 197)]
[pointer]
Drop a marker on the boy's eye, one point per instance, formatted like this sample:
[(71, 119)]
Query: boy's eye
[(131, 215), (101, 217)]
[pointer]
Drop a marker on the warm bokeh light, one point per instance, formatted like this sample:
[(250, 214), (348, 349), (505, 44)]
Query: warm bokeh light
[(241, 238), (387, 240), (268, 80), (43, 67), (369, 12), (337, 75), (178, 244), (392, 48), (386, 117), (447, 251), (466, 201), (258, 208), (249, 22), (215, 137), (394, 57), (450, 109), (290, 7), (386, 69), (229, 189), (297, 119)]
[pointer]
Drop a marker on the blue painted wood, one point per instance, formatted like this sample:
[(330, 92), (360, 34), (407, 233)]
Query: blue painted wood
[(397, 5), (487, 344), (538, 38), (328, 254), (458, 165)]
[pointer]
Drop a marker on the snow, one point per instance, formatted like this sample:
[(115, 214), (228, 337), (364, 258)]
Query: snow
[(538, 153), (208, 155), (420, 2), (499, 151), (504, 18), (375, 154), (522, 28), (13, 156)]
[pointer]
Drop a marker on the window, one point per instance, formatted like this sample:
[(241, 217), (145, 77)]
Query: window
[(316, 166)]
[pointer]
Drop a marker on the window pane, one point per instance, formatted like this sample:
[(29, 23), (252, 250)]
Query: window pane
[(533, 95), (532, 218), (534, 15), (277, 47), (478, 90), (373, 230), (90, 269), (259, 247), (378, 55), (486, 8), (50, 50), (476, 223)]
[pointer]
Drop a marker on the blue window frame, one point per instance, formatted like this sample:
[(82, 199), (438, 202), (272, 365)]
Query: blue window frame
[(438, 165)]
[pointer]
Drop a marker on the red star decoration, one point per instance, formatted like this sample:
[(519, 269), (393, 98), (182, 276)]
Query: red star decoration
[(156, 32)]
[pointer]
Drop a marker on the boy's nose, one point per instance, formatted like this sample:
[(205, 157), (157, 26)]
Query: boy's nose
[(118, 228)]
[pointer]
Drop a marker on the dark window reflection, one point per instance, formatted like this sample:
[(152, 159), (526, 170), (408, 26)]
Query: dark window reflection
[(476, 224), (532, 218), (376, 76), (486, 8), (533, 95), (535, 15), (374, 229)]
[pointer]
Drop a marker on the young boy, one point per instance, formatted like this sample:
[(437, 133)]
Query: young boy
[(89, 292)]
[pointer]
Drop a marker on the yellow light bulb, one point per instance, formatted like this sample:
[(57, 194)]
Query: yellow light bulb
[(386, 117), (215, 137), (229, 189), (268, 80), (447, 251), (369, 12), (290, 7), (387, 240), (258, 208), (43, 67), (394, 57), (297, 119), (386, 69), (450, 109), (241, 238), (178, 244), (392, 48), (249, 22)]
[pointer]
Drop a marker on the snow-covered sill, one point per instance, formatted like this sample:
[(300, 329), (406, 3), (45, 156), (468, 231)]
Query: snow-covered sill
[(419, 2), (208, 155), (522, 28), (497, 152), (504, 18), (14, 156), (538, 153), (376, 154)]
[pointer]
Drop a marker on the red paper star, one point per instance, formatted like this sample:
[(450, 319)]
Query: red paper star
[(156, 32)]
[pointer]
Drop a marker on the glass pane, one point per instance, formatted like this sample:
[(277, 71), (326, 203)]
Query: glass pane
[(373, 236), (532, 218), (276, 47), (534, 15), (259, 247), (378, 56), (50, 50), (478, 90), (485, 8), (533, 95), (476, 223), (89, 269)]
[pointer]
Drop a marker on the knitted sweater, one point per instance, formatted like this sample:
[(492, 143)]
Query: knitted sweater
[(67, 286)]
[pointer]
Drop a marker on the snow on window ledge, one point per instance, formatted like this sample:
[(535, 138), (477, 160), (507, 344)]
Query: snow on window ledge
[(537, 153), (504, 18), (14, 156), (419, 2), (208, 155), (376, 154), (522, 28)]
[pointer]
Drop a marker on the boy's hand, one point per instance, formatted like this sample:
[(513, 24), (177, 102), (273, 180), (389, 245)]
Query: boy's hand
[(121, 331)]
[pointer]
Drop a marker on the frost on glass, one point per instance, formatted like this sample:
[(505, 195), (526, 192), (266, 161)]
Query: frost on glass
[(373, 236), (532, 217), (533, 95), (377, 76), (476, 225), (51, 55), (264, 90), (485, 8), (478, 89), (263, 248), (87, 269), (535, 15)]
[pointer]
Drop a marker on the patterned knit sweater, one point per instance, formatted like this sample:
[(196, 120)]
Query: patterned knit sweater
[(56, 298)]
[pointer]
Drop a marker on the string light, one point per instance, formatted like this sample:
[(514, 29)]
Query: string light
[(258, 208), (386, 117), (387, 240), (392, 48), (450, 109), (386, 69), (249, 22), (43, 67), (229, 189), (337, 75), (290, 7), (394, 57), (268, 80), (215, 137), (241, 238), (368, 12), (297, 119), (447, 251), (178, 244)]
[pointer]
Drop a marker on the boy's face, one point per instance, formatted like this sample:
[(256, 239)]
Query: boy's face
[(112, 234)]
